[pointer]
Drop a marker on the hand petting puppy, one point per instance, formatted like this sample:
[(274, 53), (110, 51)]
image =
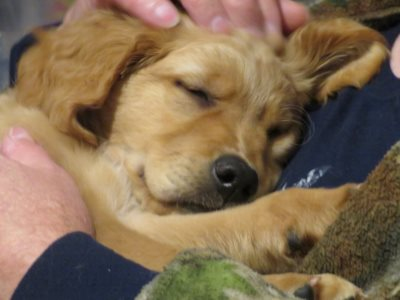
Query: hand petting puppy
[(256, 16)]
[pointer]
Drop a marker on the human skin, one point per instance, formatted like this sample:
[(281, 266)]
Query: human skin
[(39, 203), (395, 58)]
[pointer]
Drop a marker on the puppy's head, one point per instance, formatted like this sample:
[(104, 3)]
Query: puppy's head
[(199, 120)]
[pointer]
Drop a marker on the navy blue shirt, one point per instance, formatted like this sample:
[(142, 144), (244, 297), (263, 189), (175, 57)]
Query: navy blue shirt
[(77, 267)]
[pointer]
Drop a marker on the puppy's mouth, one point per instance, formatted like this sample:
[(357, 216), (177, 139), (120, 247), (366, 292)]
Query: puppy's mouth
[(196, 201), (201, 202)]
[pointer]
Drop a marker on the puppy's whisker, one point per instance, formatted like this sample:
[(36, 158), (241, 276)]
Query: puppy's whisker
[(308, 129), (302, 120)]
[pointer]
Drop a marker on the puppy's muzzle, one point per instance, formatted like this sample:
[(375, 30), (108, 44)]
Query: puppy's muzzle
[(235, 180)]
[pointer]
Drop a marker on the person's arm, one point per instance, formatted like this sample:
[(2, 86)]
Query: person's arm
[(39, 202), (77, 267), (46, 248)]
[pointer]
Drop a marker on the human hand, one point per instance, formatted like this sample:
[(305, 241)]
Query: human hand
[(39, 203), (256, 16), (395, 58)]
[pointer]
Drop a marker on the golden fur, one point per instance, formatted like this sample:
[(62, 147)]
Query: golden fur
[(137, 116)]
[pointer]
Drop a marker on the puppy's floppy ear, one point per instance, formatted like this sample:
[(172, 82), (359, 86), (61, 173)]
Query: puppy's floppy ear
[(76, 66), (327, 55)]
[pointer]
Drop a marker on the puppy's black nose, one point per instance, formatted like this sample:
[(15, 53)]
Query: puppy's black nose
[(235, 180)]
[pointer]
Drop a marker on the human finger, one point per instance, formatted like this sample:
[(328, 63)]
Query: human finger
[(78, 9), (272, 16), (208, 13), (293, 14), (245, 14), (159, 13), (395, 58)]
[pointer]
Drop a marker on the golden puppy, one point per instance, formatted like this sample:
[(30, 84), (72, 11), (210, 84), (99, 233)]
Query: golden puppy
[(155, 124)]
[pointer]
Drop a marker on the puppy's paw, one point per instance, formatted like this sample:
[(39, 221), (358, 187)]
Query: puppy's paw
[(305, 292), (329, 287)]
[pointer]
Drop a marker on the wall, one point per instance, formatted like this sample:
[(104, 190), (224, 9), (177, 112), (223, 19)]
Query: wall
[(18, 17)]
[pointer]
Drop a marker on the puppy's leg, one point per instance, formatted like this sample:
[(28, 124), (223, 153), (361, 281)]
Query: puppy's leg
[(259, 234), (316, 287)]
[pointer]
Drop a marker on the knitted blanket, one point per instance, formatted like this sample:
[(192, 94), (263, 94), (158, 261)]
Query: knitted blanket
[(363, 245), (376, 13)]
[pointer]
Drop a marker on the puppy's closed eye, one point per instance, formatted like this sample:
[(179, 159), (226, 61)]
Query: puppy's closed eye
[(200, 95), (277, 131)]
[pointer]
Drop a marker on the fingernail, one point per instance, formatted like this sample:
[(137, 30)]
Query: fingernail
[(14, 135), (18, 133), (167, 14), (220, 24)]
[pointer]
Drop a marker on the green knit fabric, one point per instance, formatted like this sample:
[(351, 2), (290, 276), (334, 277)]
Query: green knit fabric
[(200, 274)]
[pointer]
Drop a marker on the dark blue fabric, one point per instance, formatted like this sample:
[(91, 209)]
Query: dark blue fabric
[(16, 52), (18, 49), (77, 267), (351, 133)]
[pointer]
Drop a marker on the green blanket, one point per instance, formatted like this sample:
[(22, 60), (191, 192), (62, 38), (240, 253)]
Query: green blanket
[(200, 274)]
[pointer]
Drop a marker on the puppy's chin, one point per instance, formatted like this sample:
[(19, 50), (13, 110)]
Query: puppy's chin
[(206, 202)]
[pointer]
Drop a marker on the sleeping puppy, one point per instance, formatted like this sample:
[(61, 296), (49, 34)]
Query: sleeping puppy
[(157, 124)]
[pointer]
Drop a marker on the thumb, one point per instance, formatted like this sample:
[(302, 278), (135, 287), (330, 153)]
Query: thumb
[(158, 13), (294, 15), (395, 58), (19, 146)]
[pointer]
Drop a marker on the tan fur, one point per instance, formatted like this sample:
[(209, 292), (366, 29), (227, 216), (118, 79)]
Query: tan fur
[(111, 101)]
